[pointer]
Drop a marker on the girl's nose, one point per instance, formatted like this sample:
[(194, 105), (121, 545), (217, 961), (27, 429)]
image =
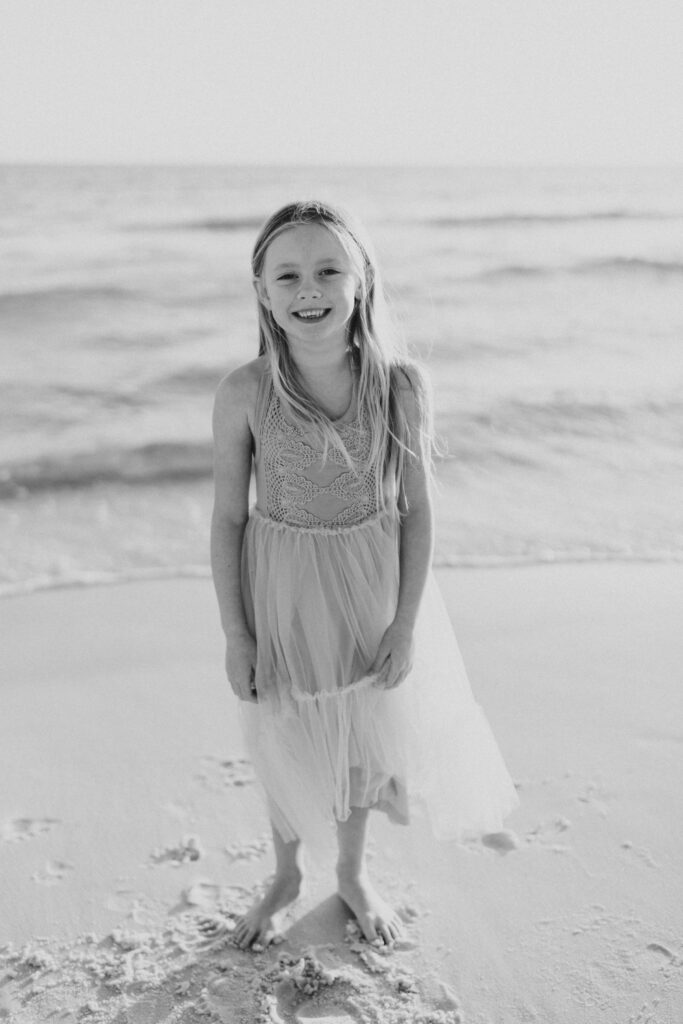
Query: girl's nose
[(309, 289)]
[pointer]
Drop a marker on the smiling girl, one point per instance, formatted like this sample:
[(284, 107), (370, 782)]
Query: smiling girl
[(352, 690)]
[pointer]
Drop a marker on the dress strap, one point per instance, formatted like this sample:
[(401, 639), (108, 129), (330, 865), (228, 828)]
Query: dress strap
[(262, 398), (263, 394)]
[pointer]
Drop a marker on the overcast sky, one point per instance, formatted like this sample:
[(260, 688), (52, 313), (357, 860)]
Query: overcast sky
[(329, 81)]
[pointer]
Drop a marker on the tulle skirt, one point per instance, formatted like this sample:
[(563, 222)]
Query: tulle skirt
[(323, 736)]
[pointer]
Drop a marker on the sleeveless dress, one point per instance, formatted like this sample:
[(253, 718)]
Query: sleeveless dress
[(320, 579)]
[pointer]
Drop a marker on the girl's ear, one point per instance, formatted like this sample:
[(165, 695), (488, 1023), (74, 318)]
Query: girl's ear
[(261, 292)]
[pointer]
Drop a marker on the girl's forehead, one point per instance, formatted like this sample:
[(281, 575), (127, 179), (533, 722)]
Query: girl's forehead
[(304, 241)]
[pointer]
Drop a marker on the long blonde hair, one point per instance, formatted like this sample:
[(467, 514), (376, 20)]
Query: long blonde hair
[(377, 355)]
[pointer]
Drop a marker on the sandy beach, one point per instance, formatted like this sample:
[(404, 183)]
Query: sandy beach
[(132, 831)]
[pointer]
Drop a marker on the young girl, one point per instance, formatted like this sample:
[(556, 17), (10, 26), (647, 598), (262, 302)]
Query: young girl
[(353, 694)]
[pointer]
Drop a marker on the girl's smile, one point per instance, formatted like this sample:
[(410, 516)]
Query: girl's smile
[(311, 315), (309, 284)]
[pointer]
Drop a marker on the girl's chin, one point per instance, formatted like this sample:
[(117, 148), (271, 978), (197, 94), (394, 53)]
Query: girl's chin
[(310, 328), (332, 335)]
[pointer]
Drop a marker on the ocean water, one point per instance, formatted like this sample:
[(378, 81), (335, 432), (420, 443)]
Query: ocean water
[(546, 303)]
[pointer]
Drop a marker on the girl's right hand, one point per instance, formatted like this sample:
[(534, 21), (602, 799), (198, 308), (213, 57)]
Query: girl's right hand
[(240, 666)]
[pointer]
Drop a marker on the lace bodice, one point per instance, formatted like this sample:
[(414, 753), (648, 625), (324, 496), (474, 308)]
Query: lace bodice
[(300, 487)]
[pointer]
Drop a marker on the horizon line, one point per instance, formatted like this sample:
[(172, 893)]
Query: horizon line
[(342, 165)]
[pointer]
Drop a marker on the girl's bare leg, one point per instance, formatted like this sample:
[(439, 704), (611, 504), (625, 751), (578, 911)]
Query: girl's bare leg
[(375, 917), (262, 922)]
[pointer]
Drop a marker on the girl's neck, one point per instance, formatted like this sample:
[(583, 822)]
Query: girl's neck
[(317, 365), (328, 377)]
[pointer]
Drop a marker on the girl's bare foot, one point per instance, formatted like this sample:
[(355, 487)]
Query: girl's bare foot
[(376, 918), (261, 923)]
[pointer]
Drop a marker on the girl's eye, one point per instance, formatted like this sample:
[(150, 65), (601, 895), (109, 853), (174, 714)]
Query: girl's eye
[(290, 275)]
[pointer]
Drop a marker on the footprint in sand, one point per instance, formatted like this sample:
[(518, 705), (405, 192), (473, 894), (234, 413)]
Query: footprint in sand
[(592, 797), (187, 850), (251, 849), (546, 833), (657, 957), (502, 842), (53, 873), (205, 896), (229, 772), (642, 853), (17, 830), (657, 947)]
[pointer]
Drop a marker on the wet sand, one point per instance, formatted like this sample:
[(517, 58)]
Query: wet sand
[(132, 832)]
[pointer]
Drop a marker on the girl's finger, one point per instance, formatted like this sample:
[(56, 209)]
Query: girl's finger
[(385, 672), (406, 671), (378, 663), (393, 680), (399, 676)]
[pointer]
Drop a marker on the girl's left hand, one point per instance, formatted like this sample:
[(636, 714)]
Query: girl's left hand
[(394, 658)]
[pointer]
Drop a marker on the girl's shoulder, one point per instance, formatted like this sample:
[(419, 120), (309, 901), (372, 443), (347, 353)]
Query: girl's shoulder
[(412, 393), (237, 392), (247, 375), (412, 380), (409, 374)]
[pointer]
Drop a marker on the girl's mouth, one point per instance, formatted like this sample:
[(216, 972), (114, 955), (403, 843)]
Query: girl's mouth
[(309, 315)]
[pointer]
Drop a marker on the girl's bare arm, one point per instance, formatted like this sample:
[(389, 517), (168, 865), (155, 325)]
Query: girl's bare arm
[(232, 471), (417, 527), (394, 657)]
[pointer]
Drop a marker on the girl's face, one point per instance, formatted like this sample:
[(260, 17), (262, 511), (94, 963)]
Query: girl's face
[(309, 285)]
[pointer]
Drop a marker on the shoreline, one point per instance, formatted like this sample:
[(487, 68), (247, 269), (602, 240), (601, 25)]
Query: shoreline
[(128, 814), (97, 578)]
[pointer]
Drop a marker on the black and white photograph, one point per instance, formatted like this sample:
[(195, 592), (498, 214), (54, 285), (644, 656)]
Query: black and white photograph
[(341, 512)]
